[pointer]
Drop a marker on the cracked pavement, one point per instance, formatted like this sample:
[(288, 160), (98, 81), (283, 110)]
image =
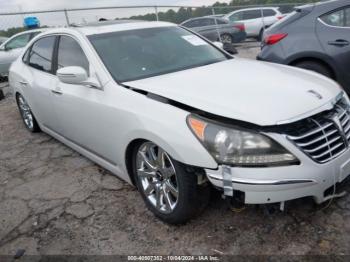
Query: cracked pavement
[(54, 201)]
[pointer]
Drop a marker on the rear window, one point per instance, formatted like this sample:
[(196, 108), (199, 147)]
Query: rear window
[(251, 14), (190, 24), (340, 18), (206, 22), (269, 12), (221, 21), (288, 19), (40, 56)]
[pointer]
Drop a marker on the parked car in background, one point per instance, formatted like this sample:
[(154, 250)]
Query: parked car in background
[(215, 29), (169, 112), (255, 19), (11, 49), (314, 37), (3, 39)]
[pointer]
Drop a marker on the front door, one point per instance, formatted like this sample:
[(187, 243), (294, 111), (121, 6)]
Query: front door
[(81, 110)]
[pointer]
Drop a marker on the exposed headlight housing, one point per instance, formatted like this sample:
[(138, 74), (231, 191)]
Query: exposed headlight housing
[(239, 147)]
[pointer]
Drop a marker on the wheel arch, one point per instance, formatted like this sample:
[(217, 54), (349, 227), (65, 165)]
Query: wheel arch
[(321, 60), (128, 157)]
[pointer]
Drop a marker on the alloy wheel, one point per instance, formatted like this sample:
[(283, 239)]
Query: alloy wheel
[(157, 176), (226, 39)]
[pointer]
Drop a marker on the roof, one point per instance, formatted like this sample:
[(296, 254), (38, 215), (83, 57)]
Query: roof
[(254, 8), (108, 22), (118, 25)]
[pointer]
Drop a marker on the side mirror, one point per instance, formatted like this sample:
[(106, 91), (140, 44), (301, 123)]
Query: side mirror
[(76, 75), (229, 48)]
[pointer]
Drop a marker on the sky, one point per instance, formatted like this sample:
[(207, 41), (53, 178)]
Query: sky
[(30, 5), (58, 19)]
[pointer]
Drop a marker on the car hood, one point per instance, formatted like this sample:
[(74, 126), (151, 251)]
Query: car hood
[(255, 92)]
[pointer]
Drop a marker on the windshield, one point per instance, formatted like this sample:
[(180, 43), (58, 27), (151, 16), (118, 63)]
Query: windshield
[(142, 53)]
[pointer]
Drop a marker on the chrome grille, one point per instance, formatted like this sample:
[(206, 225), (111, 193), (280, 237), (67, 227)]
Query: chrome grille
[(325, 136)]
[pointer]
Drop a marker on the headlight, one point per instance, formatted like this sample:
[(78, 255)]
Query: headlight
[(239, 147)]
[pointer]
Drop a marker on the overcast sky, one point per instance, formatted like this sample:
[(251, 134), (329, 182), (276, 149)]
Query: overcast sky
[(29, 5), (58, 19)]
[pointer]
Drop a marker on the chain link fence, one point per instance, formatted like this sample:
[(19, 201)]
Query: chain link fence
[(12, 23)]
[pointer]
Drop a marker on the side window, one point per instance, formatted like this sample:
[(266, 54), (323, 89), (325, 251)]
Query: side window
[(338, 18), (18, 42), (269, 12), (40, 56), (347, 15), (34, 34), (207, 21), (251, 14), (236, 17), (221, 21), (71, 54), (188, 24)]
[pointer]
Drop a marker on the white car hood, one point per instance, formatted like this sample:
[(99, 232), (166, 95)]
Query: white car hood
[(256, 92)]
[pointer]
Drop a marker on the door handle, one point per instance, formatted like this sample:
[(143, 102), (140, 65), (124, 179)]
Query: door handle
[(23, 83), (56, 92), (339, 42)]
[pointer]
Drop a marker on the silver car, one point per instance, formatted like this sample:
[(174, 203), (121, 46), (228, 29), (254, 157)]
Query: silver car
[(12, 48), (215, 29), (3, 39)]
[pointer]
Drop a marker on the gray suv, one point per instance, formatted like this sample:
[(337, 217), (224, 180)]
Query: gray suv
[(314, 37)]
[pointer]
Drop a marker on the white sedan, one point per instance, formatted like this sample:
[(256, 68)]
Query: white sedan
[(171, 113)]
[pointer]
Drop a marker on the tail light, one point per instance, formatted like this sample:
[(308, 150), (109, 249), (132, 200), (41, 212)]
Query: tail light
[(241, 27), (273, 39), (280, 17)]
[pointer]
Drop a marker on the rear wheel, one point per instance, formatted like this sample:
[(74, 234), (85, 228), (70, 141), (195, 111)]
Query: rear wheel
[(316, 67), (27, 115), (226, 39), (168, 187)]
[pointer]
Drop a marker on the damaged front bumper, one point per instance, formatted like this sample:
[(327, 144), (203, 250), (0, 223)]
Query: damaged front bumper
[(280, 184)]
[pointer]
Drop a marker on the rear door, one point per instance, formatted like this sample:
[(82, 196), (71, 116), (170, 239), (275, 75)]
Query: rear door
[(333, 31), (207, 28), (38, 81)]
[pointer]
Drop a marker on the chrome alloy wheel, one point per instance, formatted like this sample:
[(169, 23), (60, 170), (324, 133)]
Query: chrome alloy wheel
[(226, 39), (157, 176), (26, 112)]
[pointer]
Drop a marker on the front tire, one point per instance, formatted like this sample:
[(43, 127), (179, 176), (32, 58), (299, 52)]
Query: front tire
[(168, 188), (27, 115)]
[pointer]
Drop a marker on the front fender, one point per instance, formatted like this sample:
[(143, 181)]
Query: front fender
[(189, 152)]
